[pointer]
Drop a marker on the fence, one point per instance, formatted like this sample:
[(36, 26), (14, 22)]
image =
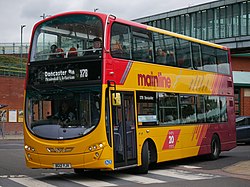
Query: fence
[(14, 48), (17, 70)]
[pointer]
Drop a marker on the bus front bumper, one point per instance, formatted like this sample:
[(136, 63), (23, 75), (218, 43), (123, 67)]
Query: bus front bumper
[(92, 160)]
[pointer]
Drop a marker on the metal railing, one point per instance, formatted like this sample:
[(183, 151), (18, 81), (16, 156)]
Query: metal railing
[(17, 70), (13, 48)]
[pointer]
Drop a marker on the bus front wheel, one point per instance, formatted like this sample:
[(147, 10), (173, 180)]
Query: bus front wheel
[(145, 159), (215, 148), (79, 171)]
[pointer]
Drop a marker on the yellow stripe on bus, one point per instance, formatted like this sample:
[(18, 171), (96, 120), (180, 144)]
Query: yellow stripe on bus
[(185, 37)]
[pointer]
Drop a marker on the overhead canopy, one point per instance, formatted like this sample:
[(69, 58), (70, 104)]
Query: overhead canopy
[(241, 78)]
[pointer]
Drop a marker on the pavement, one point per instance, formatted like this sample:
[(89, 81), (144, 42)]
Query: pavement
[(240, 168), (11, 137)]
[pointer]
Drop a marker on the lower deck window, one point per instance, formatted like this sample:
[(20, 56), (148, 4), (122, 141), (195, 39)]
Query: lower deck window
[(170, 109), (146, 106)]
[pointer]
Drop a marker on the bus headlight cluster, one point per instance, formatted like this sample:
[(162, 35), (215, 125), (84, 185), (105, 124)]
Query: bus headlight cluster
[(29, 148), (95, 147)]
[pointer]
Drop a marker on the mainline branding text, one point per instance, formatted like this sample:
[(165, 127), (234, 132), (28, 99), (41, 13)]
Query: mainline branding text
[(154, 80)]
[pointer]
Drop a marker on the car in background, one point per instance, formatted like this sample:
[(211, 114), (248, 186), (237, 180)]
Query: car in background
[(243, 129)]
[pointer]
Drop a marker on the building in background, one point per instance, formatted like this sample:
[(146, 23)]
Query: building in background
[(12, 74), (225, 22)]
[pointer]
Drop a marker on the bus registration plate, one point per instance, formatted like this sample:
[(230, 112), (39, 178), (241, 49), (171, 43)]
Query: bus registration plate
[(61, 165)]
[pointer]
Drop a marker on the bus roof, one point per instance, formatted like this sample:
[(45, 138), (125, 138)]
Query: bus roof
[(101, 15), (162, 31), (136, 24)]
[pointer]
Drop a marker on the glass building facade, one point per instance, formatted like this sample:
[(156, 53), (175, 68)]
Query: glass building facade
[(210, 21)]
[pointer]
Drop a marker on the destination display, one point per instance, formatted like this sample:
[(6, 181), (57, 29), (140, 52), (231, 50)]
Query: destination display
[(64, 72), (146, 97)]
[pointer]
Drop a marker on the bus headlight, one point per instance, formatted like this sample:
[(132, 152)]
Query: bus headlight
[(95, 147), (101, 145), (29, 148)]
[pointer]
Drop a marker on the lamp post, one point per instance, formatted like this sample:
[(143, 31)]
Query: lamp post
[(22, 26), (44, 16)]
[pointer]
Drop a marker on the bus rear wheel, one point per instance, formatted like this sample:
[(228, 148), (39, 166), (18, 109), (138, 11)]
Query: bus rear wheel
[(215, 148), (145, 159)]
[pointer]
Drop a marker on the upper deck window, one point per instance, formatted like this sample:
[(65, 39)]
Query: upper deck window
[(121, 41), (67, 36), (142, 45)]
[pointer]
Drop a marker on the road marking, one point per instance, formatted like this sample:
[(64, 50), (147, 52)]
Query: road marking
[(49, 174), (181, 174), (31, 182), (91, 182), (190, 167), (4, 176), (137, 179), (13, 176)]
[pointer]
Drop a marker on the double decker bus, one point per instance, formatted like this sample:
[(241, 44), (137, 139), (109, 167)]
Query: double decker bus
[(144, 96)]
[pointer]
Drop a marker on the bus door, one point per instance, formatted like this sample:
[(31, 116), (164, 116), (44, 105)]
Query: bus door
[(124, 131)]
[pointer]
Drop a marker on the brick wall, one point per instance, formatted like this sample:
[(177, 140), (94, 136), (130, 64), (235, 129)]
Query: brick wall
[(11, 93), (245, 102), (243, 64), (240, 64)]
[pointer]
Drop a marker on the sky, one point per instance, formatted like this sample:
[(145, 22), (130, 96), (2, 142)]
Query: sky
[(14, 13)]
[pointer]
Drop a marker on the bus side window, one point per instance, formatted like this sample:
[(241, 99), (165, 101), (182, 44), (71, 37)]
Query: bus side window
[(142, 45), (170, 58), (183, 54), (212, 109), (164, 46), (161, 57), (168, 109), (170, 51), (209, 59), (222, 61), (121, 41), (196, 56), (188, 109)]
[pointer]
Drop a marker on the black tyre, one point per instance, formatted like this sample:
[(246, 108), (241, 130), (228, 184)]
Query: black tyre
[(79, 171), (145, 159), (215, 148)]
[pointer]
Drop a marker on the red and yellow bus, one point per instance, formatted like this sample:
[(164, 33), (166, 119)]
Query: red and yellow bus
[(145, 95)]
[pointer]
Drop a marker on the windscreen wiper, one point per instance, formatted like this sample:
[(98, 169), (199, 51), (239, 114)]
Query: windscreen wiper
[(62, 88), (35, 88)]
